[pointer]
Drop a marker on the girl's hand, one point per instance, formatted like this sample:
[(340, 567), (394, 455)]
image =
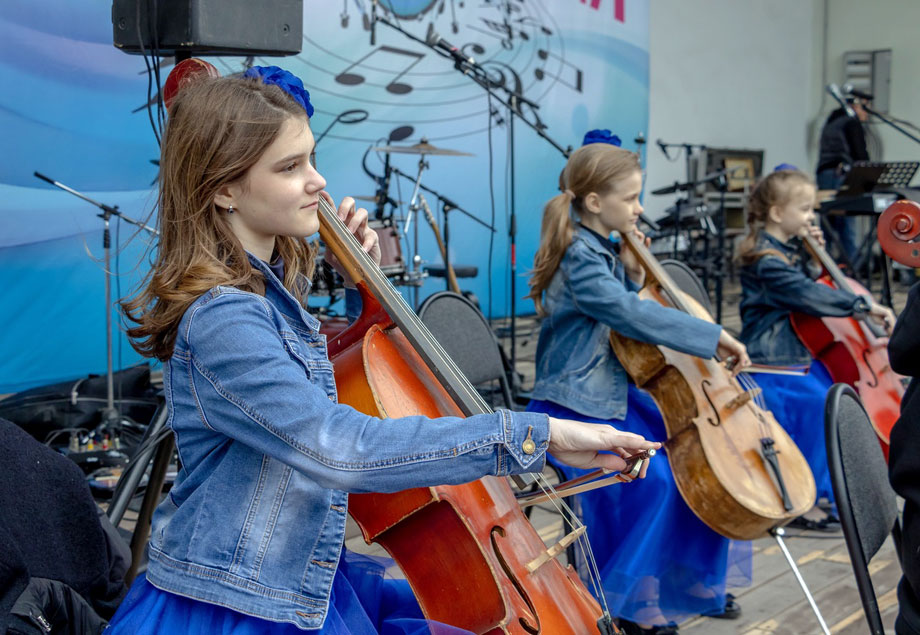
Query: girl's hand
[(883, 315), (355, 219), (630, 263), (579, 444), (815, 232), (733, 352)]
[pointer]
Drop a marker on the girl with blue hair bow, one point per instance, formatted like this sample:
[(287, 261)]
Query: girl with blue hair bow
[(250, 537)]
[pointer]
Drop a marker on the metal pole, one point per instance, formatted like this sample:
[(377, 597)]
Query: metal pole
[(778, 534)]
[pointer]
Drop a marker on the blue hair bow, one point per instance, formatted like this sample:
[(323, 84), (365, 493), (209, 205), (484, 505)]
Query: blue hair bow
[(285, 80), (601, 136)]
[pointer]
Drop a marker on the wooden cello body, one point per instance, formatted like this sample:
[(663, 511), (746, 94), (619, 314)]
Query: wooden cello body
[(470, 554), (734, 465), (855, 351)]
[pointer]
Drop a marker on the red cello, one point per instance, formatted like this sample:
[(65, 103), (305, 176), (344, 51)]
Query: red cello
[(854, 350), (898, 230)]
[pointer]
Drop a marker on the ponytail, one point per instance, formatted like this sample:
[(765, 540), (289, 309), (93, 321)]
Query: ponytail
[(556, 234)]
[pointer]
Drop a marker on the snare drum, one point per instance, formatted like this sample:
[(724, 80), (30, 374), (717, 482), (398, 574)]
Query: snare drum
[(391, 258)]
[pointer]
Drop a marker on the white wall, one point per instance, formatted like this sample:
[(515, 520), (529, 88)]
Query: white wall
[(729, 74)]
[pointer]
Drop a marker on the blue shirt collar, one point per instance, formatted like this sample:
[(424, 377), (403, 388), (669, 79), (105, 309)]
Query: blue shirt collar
[(275, 284), (774, 242), (603, 241)]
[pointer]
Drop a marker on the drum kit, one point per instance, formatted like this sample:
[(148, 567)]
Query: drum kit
[(393, 227)]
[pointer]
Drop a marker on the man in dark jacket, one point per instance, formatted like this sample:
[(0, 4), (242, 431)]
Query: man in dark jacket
[(843, 141)]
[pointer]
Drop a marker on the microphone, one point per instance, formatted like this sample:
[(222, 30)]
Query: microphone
[(849, 90), (664, 148), (373, 22), (434, 40), (834, 91), (449, 203)]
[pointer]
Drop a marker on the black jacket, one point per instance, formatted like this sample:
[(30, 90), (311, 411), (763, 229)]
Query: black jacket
[(904, 457), (62, 564), (843, 140)]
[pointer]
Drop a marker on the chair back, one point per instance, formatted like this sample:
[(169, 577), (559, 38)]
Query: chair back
[(859, 476), (465, 335), (688, 282)]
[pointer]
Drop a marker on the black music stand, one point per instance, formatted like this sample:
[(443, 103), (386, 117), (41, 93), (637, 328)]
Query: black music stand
[(861, 179), (893, 174)]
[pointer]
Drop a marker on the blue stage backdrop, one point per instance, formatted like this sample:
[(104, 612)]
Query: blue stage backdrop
[(72, 108)]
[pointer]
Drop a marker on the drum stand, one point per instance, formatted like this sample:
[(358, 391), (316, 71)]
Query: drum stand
[(414, 277)]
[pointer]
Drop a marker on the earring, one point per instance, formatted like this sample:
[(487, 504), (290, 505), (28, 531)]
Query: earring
[(230, 209)]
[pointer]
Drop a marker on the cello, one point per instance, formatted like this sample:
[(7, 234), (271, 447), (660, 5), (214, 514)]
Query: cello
[(853, 349), (734, 465), (469, 553)]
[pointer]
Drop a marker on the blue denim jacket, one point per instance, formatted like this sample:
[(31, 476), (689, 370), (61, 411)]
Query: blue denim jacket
[(588, 296), (770, 290), (256, 519)]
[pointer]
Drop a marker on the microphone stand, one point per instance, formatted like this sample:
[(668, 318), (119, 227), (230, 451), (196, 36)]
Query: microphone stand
[(513, 101), (891, 123), (110, 414)]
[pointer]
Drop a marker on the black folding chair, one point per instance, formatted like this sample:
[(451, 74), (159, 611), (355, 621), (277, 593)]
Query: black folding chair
[(466, 337), (688, 282), (865, 501)]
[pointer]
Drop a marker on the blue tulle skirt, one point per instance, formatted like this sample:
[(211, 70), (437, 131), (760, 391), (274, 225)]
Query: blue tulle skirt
[(363, 602), (658, 562), (797, 402)]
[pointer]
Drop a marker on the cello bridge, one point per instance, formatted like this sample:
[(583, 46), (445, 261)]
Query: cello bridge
[(555, 550), (742, 399)]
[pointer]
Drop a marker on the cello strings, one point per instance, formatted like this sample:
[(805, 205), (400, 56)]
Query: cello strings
[(583, 541)]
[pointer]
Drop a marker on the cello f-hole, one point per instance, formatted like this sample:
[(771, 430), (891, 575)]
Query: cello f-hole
[(533, 629), (718, 421), (874, 382)]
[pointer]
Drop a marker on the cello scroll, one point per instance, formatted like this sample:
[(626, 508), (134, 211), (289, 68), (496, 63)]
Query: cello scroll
[(898, 229)]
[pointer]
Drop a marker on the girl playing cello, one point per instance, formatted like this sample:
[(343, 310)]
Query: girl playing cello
[(775, 284), (250, 538), (671, 565)]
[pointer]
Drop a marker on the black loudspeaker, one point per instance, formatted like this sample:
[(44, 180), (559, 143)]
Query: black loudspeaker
[(208, 27)]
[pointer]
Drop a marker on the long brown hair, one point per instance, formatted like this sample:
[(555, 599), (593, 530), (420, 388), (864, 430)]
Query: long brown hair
[(774, 189), (216, 130), (596, 167)]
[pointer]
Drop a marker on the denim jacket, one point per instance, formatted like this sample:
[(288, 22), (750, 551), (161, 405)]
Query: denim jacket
[(770, 290), (588, 296), (256, 518)]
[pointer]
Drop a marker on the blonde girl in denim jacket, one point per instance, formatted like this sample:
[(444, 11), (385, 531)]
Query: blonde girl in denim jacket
[(250, 537), (659, 563), (775, 283)]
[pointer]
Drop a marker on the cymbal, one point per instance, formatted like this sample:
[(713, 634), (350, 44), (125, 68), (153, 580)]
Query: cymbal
[(422, 148)]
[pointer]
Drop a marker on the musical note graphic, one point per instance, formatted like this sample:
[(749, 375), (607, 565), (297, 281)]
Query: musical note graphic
[(395, 87), (501, 30), (529, 20), (541, 73)]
